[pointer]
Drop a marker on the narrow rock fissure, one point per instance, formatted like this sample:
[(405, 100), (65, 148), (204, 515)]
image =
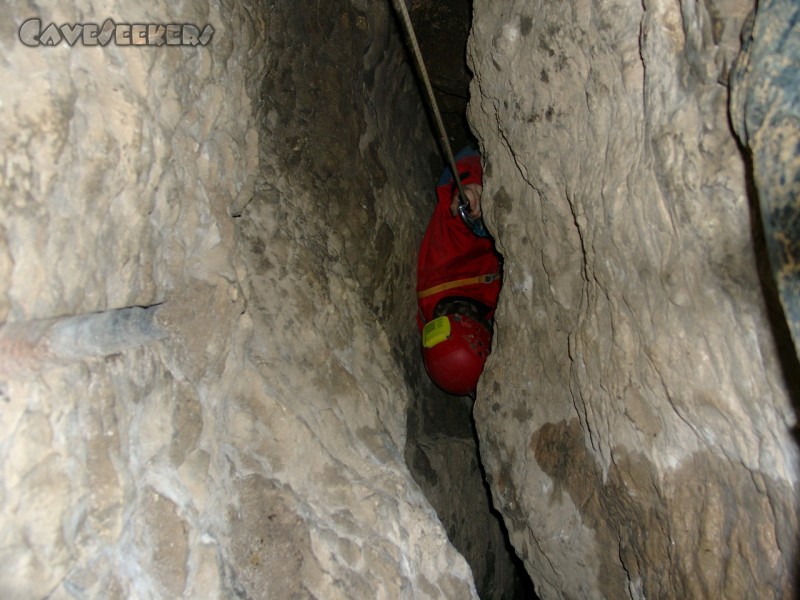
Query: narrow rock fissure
[(442, 448), (442, 454), (210, 374), (320, 98)]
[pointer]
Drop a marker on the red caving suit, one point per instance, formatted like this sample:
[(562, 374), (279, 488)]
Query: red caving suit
[(452, 259)]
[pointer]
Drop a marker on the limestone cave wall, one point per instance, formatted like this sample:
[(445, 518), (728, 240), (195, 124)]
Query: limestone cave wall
[(634, 419), (245, 436), (209, 371)]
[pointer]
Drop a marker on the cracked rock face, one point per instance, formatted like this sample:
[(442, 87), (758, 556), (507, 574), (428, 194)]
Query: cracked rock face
[(634, 420), (266, 194), (258, 190)]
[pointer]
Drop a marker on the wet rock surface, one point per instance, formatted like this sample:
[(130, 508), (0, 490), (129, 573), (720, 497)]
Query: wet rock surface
[(765, 112)]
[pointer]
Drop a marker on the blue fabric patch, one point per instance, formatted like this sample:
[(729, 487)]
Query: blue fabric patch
[(446, 176)]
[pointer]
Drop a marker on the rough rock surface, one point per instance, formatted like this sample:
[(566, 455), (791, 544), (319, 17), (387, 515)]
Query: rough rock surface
[(267, 193), (765, 111), (633, 418), (443, 457), (257, 450)]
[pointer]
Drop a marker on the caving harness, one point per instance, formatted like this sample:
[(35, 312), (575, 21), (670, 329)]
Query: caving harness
[(443, 287)]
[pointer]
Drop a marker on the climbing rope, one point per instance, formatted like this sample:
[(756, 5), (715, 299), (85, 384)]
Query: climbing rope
[(402, 11)]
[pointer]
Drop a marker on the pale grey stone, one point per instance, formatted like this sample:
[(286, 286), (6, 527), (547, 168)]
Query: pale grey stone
[(255, 445), (634, 369), (268, 191)]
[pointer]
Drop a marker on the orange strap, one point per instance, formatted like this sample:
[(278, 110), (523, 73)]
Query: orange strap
[(454, 284)]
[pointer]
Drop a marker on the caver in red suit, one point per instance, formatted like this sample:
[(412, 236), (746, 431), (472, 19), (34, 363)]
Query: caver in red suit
[(458, 282)]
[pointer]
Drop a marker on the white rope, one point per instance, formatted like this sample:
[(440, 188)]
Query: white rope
[(402, 11)]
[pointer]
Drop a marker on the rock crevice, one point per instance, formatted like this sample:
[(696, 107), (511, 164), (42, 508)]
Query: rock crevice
[(253, 207)]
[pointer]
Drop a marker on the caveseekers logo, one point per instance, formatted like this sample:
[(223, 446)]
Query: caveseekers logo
[(123, 34)]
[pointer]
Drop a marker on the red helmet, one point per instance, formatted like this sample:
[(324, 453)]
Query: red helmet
[(454, 349)]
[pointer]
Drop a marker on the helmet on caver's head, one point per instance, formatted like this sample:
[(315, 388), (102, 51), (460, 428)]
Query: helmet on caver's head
[(454, 350)]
